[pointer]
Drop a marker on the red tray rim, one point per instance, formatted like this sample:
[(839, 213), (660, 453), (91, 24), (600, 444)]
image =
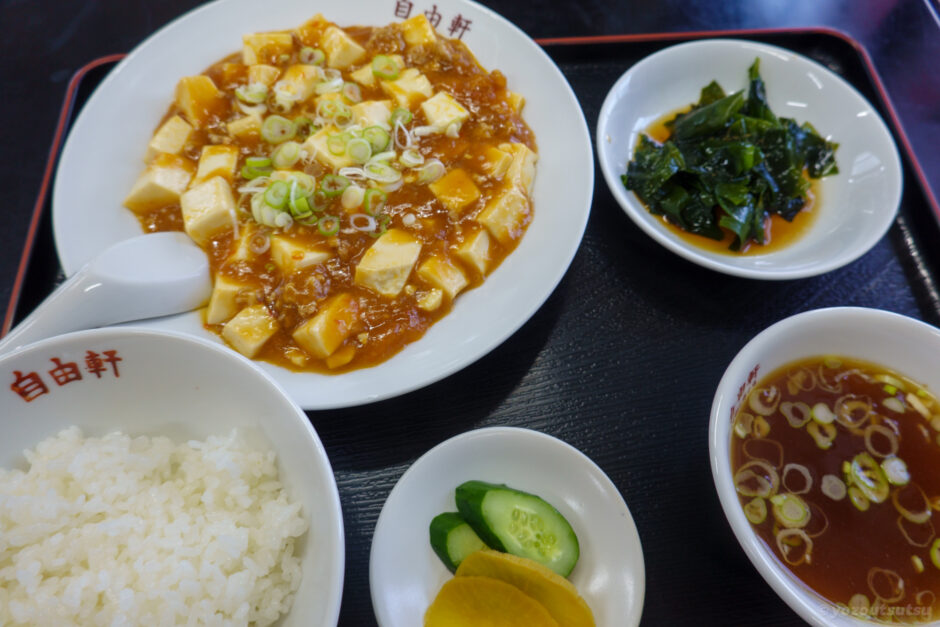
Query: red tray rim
[(75, 81)]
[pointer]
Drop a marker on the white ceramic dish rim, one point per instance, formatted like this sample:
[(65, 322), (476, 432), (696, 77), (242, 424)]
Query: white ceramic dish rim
[(518, 438), (743, 266), (484, 317), (93, 336), (809, 605)]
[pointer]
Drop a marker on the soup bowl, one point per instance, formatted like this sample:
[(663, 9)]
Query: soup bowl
[(153, 383), (898, 343)]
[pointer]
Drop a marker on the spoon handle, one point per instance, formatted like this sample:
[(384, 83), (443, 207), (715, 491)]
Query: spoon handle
[(69, 308)]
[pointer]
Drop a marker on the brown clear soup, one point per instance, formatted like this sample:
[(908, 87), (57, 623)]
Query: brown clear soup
[(836, 466)]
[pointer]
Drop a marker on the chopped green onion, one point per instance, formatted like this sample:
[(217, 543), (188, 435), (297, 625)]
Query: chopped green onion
[(255, 167), (383, 226), (277, 129), (867, 475), (411, 158), (822, 414), (430, 171), (377, 137), (276, 194), (328, 226), (890, 390), (320, 201), (311, 56), (385, 67), (336, 144), (327, 108), (894, 404), (374, 201), (790, 510), (359, 149), (333, 185), (343, 115), (286, 155), (304, 125), (402, 115), (300, 207), (756, 510), (352, 197), (381, 172), (329, 86), (858, 499), (352, 93), (896, 471), (935, 552), (254, 93)]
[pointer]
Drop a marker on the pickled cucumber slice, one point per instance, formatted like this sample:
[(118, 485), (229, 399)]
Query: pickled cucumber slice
[(519, 523)]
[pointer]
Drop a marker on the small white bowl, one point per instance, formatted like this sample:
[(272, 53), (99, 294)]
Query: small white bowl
[(405, 574), (183, 388), (905, 345), (857, 205)]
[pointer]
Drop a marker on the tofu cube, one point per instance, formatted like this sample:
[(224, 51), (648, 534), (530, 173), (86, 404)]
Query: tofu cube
[(455, 190), (494, 162), (386, 266), (298, 83), (516, 101), (199, 99), (309, 32), (247, 128), (443, 112), (160, 184), (290, 255), (364, 76), (261, 73), (475, 251), (341, 51), (431, 300), (208, 209), (242, 250), (336, 320), (316, 146), (223, 304), (418, 30), (443, 274), (265, 47), (521, 171), (341, 357), (248, 331), (171, 138), (219, 160), (410, 88), (506, 215), (373, 113)]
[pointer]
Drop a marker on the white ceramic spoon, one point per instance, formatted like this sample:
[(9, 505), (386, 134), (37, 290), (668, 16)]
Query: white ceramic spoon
[(147, 276)]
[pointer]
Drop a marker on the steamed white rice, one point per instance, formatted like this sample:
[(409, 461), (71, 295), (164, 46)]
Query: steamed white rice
[(139, 531)]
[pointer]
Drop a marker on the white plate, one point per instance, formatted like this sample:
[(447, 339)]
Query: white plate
[(104, 155), (858, 204), (405, 574)]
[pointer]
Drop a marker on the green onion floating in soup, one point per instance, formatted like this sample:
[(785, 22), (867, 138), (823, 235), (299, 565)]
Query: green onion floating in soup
[(837, 467)]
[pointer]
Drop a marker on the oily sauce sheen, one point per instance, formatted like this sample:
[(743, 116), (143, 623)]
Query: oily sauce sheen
[(848, 542), (384, 325)]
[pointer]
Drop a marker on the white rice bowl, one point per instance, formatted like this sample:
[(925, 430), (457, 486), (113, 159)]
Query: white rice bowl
[(177, 486)]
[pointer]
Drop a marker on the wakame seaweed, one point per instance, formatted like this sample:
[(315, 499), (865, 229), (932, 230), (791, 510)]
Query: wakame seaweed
[(729, 162)]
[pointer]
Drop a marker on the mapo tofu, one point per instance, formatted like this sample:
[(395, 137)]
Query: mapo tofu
[(348, 184)]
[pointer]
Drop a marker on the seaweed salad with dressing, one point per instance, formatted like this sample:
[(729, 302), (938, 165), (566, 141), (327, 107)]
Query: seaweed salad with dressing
[(730, 163)]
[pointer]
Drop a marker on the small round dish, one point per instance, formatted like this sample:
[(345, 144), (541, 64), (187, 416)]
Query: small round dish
[(404, 572), (902, 344), (857, 205), (120, 117), (152, 383)]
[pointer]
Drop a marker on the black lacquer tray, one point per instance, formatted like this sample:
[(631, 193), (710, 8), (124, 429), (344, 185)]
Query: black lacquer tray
[(622, 361)]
